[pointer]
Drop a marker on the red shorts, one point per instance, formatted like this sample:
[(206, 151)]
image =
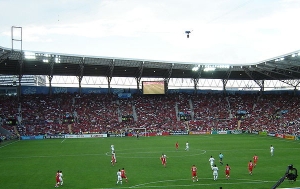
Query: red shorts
[(194, 174), (250, 168), (123, 176), (227, 172)]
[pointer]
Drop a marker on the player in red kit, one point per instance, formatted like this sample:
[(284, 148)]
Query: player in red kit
[(113, 160), (250, 167), (176, 145), (227, 171), (163, 159), (255, 158), (57, 179), (123, 174), (194, 173)]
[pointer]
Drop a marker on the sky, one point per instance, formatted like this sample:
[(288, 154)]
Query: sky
[(222, 31)]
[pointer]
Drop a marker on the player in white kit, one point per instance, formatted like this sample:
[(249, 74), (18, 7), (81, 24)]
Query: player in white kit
[(272, 150), (119, 177), (211, 161), (61, 178), (187, 147), (215, 172)]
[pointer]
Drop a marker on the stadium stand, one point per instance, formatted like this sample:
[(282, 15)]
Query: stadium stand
[(102, 113)]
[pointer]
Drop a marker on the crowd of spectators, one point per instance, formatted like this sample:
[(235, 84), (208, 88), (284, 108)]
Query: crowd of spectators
[(106, 113)]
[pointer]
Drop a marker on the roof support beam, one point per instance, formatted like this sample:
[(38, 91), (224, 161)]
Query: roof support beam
[(269, 75), (271, 71), (282, 67), (260, 83), (50, 76), (139, 75), (196, 79), (109, 73), (80, 74), (168, 76), (225, 81)]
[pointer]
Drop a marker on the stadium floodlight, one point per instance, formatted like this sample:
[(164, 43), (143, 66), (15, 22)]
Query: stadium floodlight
[(209, 69), (29, 55), (57, 59), (196, 68)]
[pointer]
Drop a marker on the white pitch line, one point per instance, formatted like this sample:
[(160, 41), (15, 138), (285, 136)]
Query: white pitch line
[(185, 154), (9, 144), (63, 140), (70, 155), (244, 181)]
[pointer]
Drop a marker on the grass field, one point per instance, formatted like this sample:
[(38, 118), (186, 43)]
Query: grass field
[(86, 162)]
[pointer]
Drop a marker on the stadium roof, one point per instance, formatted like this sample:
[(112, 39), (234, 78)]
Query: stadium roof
[(285, 67)]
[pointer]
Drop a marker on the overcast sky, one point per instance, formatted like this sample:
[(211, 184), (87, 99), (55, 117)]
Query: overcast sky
[(222, 31)]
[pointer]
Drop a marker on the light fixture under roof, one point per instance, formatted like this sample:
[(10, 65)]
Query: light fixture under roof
[(209, 69), (196, 68)]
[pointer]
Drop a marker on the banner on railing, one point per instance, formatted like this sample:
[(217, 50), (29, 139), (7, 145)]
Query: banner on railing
[(87, 136), (39, 137), (199, 133), (289, 137)]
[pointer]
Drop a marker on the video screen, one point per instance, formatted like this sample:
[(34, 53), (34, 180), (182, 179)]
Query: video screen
[(153, 87)]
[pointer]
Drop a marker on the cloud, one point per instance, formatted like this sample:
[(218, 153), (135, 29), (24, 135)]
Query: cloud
[(222, 31)]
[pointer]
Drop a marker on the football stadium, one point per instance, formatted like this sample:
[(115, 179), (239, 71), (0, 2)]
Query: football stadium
[(45, 128), (77, 121)]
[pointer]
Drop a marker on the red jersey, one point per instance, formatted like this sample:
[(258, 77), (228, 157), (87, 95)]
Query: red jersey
[(255, 158), (113, 159), (250, 166), (123, 174), (176, 145), (163, 159), (194, 171), (227, 169), (57, 177)]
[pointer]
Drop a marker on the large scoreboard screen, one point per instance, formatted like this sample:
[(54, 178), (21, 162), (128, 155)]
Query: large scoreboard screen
[(154, 87)]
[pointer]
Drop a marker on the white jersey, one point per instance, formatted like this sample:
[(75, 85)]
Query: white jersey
[(271, 149), (112, 147), (215, 170), (119, 176), (211, 160), (60, 176), (187, 146)]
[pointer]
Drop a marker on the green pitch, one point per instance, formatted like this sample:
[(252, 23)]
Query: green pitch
[(86, 162)]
